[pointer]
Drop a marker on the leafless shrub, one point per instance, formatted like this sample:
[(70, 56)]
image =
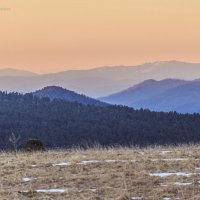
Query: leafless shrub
[(14, 140)]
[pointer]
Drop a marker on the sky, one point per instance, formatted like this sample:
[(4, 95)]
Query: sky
[(54, 35)]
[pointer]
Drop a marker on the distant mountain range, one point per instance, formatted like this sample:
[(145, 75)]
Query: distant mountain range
[(54, 92), (14, 72), (166, 95), (100, 81)]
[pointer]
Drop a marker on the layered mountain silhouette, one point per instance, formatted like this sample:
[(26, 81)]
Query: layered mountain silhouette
[(55, 92), (104, 80), (166, 95), (15, 72)]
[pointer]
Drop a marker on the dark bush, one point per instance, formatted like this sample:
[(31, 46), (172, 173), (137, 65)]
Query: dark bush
[(34, 145)]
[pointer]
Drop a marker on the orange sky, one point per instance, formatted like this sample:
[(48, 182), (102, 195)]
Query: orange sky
[(54, 35)]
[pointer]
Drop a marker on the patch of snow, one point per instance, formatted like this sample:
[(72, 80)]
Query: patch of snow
[(93, 190), (111, 161), (197, 168), (140, 152), (33, 165), (124, 161), (85, 162), (24, 191), (166, 198), (162, 175), (175, 159), (51, 190), (62, 164), (165, 152), (163, 185), (171, 159), (25, 179), (136, 198), (184, 174), (182, 184), (45, 191)]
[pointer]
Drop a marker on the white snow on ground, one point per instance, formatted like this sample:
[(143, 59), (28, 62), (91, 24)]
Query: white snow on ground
[(45, 191), (24, 191), (162, 175), (51, 190), (182, 184), (93, 190), (171, 159), (123, 161), (165, 152), (85, 162), (62, 164), (197, 168), (140, 152), (33, 165), (136, 198), (175, 159), (25, 179), (163, 185), (113, 161), (167, 198)]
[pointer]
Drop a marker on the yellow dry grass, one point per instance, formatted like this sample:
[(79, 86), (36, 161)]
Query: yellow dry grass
[(116, 173)]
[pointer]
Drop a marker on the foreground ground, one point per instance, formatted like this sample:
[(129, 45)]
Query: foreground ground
[(121, 174)]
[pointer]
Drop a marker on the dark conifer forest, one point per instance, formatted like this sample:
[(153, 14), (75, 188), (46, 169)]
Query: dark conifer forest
[(63, 124)]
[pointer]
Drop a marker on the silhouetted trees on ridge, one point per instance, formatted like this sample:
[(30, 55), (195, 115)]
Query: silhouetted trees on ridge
[(63, 124)]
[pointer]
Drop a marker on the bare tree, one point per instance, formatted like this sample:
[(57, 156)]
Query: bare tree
[(14, 140)]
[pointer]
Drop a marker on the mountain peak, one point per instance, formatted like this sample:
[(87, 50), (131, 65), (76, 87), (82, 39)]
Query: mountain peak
[(54, 87), (164, 62), (56, 92)]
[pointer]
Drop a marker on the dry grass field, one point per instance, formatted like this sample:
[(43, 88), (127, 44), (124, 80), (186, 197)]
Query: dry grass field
[(123, 174)]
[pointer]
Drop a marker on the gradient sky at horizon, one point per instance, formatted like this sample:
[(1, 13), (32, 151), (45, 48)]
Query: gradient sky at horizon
[(54, 35)]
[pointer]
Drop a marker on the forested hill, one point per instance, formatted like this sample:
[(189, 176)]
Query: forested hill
[(165, 95), (55, 92), (64, 124)]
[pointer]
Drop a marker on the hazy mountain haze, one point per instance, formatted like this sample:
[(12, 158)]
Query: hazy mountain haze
[(166, 95), (103, 81), (15, 72)]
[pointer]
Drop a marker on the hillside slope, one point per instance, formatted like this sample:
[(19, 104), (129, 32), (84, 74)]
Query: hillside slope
[(166, 95), (64, 124), (54, 92)]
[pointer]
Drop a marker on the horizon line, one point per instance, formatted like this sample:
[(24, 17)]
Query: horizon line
[(98, 67)]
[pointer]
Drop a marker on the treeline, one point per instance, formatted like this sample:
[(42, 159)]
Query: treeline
[(62, 124)]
